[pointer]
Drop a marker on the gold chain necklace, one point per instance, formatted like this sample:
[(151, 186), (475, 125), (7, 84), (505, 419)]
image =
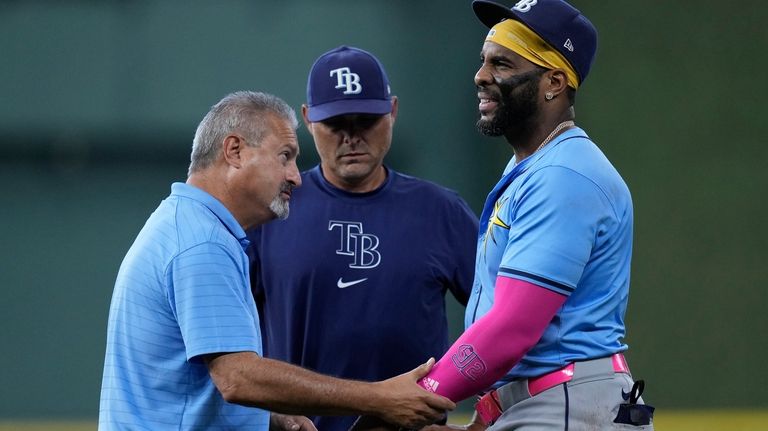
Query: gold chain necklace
[(557, 129)]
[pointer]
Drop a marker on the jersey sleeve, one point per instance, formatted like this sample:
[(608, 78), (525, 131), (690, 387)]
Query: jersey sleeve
[(556, 217), (212, 303)]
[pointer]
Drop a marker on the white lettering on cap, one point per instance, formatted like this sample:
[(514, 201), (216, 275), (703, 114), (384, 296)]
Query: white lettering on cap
[(348, 80), (524, 5)]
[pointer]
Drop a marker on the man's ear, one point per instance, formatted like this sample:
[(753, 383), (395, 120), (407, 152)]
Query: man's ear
[(231, 148), (557, 82), (394, 109), (304, 113)]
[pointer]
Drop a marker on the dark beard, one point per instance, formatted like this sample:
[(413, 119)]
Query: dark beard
[(514, 113)]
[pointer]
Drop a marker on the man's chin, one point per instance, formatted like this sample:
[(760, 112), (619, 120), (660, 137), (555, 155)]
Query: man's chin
[(281, 216), (488, 127), (280, 210)]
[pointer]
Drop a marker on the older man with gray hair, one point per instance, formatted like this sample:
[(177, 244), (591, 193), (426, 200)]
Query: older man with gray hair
[(184, 349)]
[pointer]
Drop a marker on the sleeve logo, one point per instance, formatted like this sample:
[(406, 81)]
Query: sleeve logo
[(468, 362)]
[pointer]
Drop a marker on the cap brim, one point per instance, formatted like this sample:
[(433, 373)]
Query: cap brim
[(349, 106), (491, 13)]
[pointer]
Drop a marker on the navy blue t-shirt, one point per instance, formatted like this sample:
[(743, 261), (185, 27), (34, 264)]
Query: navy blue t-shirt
[(353, 284)]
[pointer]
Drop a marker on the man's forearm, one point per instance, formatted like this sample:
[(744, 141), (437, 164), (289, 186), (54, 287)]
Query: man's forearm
[(495, 343), (248, 379)]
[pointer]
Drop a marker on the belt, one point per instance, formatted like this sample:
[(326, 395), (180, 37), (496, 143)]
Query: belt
[(489, 407)]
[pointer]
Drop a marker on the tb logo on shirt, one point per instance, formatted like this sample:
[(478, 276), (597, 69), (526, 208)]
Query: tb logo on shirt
[(361, 246)]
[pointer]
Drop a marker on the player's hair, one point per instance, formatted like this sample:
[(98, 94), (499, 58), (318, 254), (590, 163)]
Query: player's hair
[(243, 112)]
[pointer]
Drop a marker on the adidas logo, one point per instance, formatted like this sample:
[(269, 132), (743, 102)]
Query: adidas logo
[(430, 384)]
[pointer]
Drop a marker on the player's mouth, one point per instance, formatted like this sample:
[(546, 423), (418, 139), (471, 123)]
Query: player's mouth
[(487, 103)]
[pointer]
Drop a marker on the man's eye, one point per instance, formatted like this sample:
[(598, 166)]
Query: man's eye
[(333, 125), (367, 123)]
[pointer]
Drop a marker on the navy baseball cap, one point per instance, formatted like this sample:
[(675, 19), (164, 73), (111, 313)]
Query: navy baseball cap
[(347, 80), (557, 22)]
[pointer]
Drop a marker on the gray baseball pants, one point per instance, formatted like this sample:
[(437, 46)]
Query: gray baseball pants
[(589, 401)]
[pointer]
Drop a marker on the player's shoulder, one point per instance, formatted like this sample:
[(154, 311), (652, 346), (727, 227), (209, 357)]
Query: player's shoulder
[(579, 151), (577, 166), (410, 183), (579, 154), (429, 194)]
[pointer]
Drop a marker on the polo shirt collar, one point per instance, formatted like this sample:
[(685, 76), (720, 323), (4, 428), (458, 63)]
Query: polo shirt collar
[(215, 206)]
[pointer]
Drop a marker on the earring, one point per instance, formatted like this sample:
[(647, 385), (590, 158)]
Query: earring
[(549, 95)]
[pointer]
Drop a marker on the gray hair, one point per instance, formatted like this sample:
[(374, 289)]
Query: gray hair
[(244, 112)]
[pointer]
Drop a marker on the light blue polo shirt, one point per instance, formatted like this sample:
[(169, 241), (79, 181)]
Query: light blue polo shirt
[(560, 219), (182, 291)]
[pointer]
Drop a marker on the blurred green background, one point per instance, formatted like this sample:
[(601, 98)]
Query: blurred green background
[(99, 101)]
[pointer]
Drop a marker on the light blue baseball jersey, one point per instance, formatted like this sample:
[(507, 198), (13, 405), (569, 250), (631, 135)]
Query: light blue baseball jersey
[(182, 291), (561, 219)]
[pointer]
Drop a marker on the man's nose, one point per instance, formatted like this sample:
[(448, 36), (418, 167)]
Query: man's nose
[(483, 77), (294, 177), (352, 135)]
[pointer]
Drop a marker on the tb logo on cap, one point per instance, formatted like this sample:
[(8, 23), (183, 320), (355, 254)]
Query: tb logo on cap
[(347, 79), (524, 5)]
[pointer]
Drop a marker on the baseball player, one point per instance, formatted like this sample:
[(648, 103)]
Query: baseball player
[(353, 284), (545, 320)]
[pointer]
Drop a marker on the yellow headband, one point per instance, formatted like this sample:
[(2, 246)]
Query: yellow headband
[(522, 40)]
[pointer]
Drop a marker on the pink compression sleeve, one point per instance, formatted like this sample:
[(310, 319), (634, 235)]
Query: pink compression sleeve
[(491, 346)]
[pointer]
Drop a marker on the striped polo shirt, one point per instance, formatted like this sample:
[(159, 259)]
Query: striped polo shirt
[(182, 291)]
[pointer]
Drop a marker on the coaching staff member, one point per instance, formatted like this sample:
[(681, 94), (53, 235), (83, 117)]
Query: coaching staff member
[(353, 284), (183, 341)]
